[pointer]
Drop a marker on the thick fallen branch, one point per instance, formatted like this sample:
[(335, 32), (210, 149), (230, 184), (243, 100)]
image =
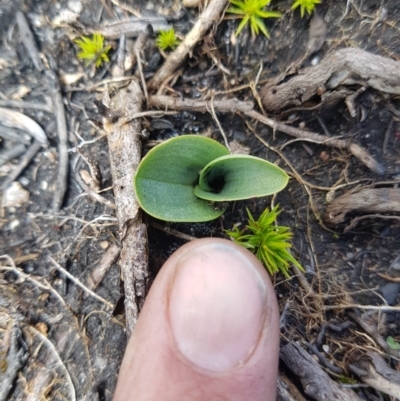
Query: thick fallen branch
[(342, 67), (211, 14), (125, 150), (378, 200), (316, 383), (373, 371)]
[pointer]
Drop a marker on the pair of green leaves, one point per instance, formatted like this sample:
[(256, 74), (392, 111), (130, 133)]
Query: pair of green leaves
[(181, 179)]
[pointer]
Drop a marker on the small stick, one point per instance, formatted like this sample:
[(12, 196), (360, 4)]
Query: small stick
[(21, 275), (323, 360), (387, 134), (26, 159), (381, 308), (94, 171), (131, 27), (14, 135), (79, 284), (127, 7), (97, 275), (355, 221), (93, 194), (54, 362), (13, 153), (221, 105), (29, 41), (173, 232), (137, 48), (107, 8), (22, 104), (214, 115), (15, 119), (119, 69), (210, 15), (61, 185), (26, 258), (353, 148), (373, 332)]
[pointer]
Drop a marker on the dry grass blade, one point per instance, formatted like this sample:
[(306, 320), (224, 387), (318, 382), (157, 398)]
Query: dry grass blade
[(108, 305)]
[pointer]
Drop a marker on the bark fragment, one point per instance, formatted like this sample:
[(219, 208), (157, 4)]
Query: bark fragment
[(125, 148), (378, 200), (342, 67), (316, 383)]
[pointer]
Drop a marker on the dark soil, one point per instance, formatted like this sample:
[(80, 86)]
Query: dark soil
[(72, 340)]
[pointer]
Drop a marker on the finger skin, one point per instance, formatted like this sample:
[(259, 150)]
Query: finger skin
[(154, 369)]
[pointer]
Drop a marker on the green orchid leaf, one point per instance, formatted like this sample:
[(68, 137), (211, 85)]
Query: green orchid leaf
[(392, 343), (166, 177), (236, 177)]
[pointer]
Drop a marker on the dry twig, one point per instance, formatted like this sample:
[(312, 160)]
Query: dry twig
[(53, 362), (173, 232), (220, 105), (22, 104), (15, 119), (211, 14), (373, 332), (109, 305), (353, 148), (61, 120), (28, 40), (25, 160), (103, 266)]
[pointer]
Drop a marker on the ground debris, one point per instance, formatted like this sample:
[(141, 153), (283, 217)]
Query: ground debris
[(316, 383), (125, 148), (373, 370), (340, 68), (376, 200)]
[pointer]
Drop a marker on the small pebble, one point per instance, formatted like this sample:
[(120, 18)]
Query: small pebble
[(104, 244), (75, 6), (326, 348), (390, 291), (315, 60), (24, 181), (42, 328), (15, 195), (324, 156), (86, 177), (13, 224), (349, 256), (395, 265), (43, 185)]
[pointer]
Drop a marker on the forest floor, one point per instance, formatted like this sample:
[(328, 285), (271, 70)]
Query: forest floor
[(62, 318)]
